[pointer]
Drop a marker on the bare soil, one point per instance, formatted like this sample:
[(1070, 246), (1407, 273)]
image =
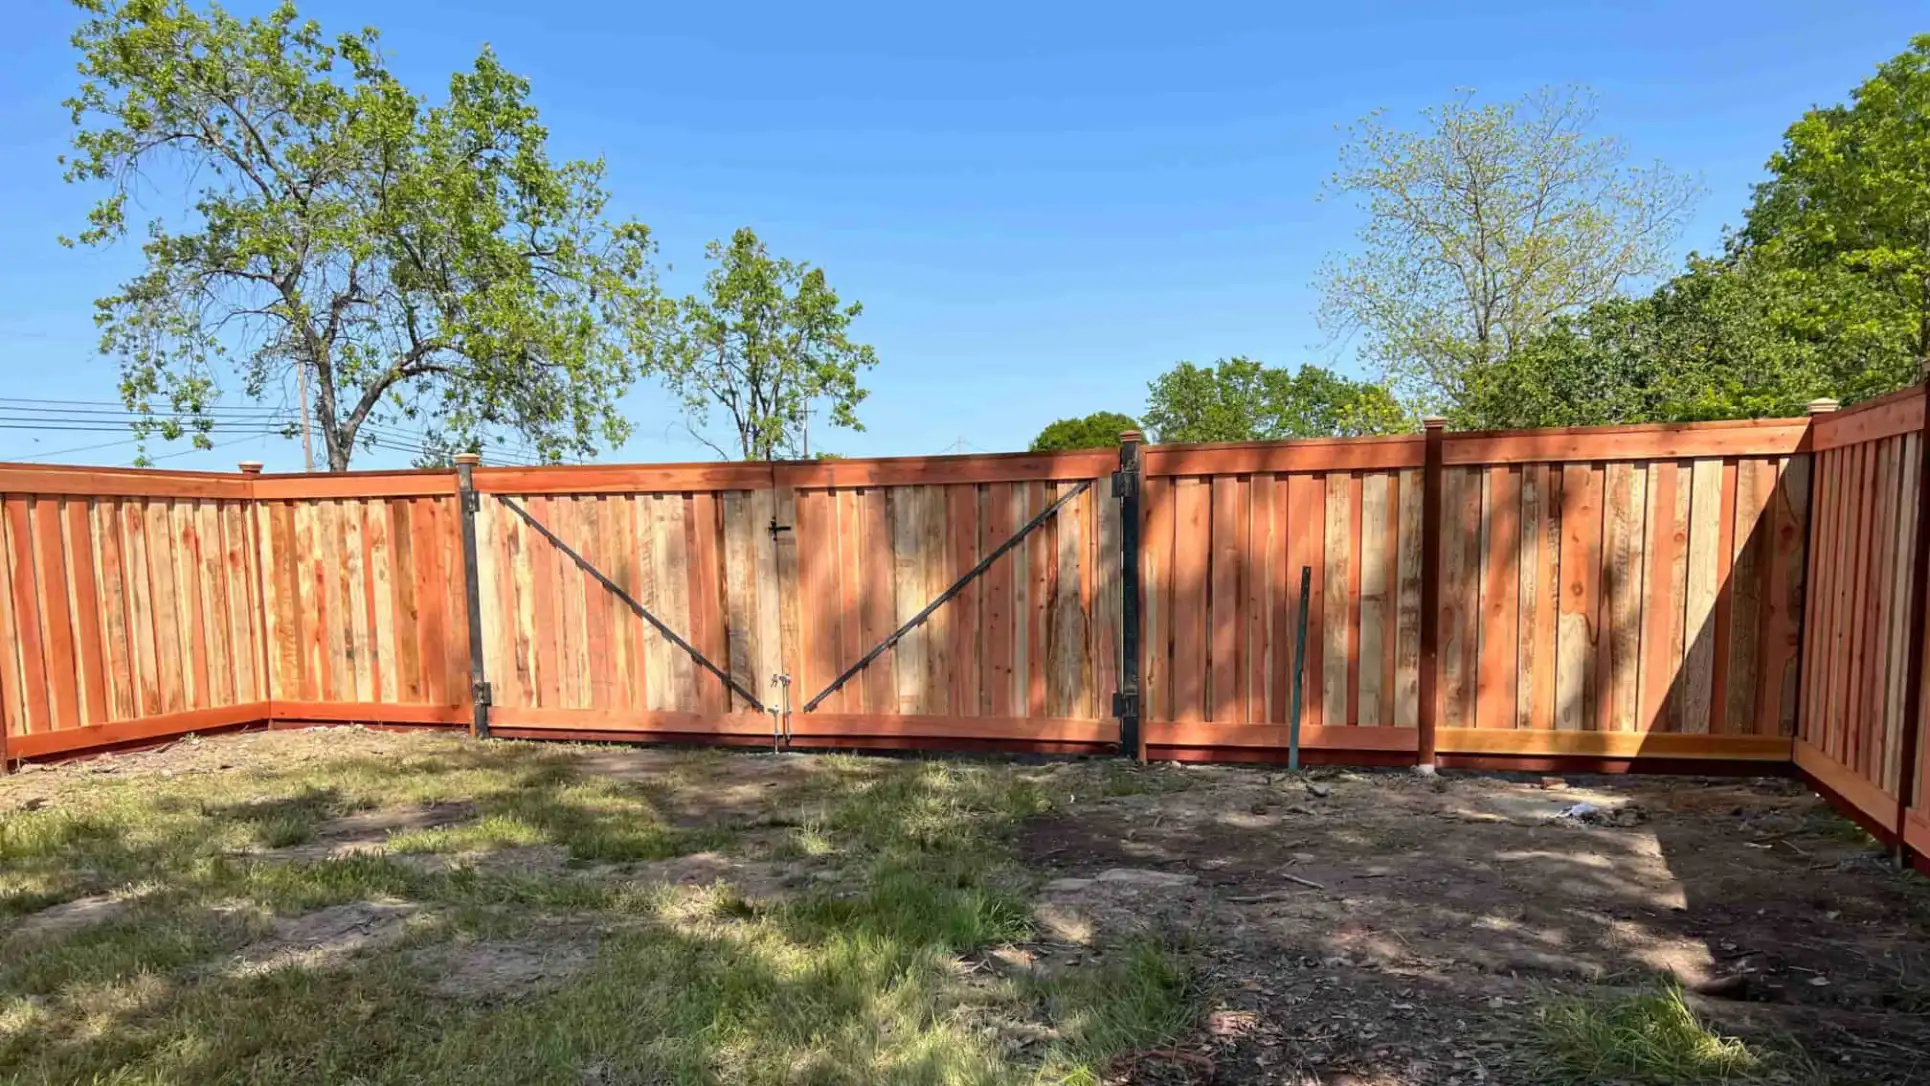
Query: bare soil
[(1382, 927)]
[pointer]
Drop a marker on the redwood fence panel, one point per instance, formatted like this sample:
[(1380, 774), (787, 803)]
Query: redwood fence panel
[(127, 608), (1615, 596), (1862, 671)]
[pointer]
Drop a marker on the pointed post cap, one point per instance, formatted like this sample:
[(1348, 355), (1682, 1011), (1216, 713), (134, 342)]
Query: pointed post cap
[(1433, 422), (472, 459), (1823, 406), (250, 467), (1131, 437)]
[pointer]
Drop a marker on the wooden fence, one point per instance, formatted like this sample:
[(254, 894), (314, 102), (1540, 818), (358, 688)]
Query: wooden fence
[(1862, 670), (1626, 595)]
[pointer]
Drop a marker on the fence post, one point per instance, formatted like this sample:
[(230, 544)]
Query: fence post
[(472, 584), (1125, 702), (1434, 429), (1914, 639)]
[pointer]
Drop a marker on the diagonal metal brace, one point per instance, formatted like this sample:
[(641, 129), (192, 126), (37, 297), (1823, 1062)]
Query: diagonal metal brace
[(945, 597), (617, 590)]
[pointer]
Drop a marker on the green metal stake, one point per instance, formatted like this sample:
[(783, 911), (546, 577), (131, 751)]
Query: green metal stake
[(1299, 668)]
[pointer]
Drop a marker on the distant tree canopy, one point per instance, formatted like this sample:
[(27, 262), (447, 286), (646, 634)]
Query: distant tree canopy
[(1240, 399), (766, 341), (1825, 291), (1483, 227), (1099, 430)]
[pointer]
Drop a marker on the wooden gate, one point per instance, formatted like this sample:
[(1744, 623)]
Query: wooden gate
[(786, 576)]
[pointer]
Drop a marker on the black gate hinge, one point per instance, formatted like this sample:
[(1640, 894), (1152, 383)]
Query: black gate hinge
[(1125, 704), (776, 527), (482, 694)]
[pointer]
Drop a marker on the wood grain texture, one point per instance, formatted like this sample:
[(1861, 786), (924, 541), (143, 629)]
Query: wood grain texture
[(1407, 610), (1226, 622), (1156, 597), (1497, 683), (1623, 564), (1378, 573), (1191, 548), (1337, 553), (1755, 486), (1701, 586), (1778, 706), (1581, 568)]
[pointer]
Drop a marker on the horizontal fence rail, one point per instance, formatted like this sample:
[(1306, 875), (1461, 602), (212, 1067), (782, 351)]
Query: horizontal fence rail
[(1701, 593)]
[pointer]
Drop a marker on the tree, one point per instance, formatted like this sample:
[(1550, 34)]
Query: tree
[(1239, 399), (767, 341), (407, 260), (1099, 430), (1713, 343), (1844, 222), (1484, 227)]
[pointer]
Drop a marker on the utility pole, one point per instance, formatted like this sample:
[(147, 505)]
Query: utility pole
[(308, 441)]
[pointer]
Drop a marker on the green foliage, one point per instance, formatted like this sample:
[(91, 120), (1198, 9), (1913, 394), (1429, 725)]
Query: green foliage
[(1099, 430), (1239, 399), (1652, 1038), (1823, 293), (1845, 220), (767, 341), (1485, 226), (420, 262)]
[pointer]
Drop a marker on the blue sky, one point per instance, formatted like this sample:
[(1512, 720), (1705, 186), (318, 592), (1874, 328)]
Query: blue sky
[(1041, 205)]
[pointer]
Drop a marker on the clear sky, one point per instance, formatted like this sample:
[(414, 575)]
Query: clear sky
[(1042, 205)]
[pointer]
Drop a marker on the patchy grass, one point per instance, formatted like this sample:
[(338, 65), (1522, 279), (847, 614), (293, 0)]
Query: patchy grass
[(1650, 1038), (858, 977)]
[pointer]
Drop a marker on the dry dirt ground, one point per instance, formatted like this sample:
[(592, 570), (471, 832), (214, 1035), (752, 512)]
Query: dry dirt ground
[(1336, 926), (1381, 927)]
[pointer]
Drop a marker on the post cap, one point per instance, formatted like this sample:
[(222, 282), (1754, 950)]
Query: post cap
[(1433, 422), (472, 459), (250, 467), (1823, 406), (1131, 437)]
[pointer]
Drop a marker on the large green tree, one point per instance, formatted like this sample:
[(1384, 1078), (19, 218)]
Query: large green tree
[(1484, 226), (1099, 430), (1824, 292), (1844, 221), (1240, 399), (405, 260), (768, 342)]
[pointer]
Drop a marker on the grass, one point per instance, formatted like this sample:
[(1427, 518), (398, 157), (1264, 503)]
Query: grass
[(1652, 1038), (860, 979)]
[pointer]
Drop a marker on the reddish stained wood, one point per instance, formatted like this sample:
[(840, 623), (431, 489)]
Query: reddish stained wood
[(432, 629), (1660, 617), (1842, 586), (219, 610), (1651, 441), (190, 570), (1820, 634), (961, 520), (1850, 740), (290, 674), (1156, 596), (49, 481), (1285, 579), (1783, 599), (1872, 719), (1581, 571), (1353, 599), (879, 684), (1313, 455), (1041, 573), (1226, 619), (1495, 685), (1259, 573), (1306, 548), (408, 618), (1191, 547), (1391, 608), (1755, 482), (1888, 416), (817, 550), (56, 630), (599, 613), (26, 610), (998, 605), (707, 599), (1460, 609), (167, 629), (1725, 598), (1547, 604), (87, 607), (119, 661)]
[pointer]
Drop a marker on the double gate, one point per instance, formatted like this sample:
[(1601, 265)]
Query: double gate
[(965, 603)]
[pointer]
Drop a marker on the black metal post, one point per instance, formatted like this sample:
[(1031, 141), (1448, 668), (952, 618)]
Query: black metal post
[(472, 583), (1126, 701)]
